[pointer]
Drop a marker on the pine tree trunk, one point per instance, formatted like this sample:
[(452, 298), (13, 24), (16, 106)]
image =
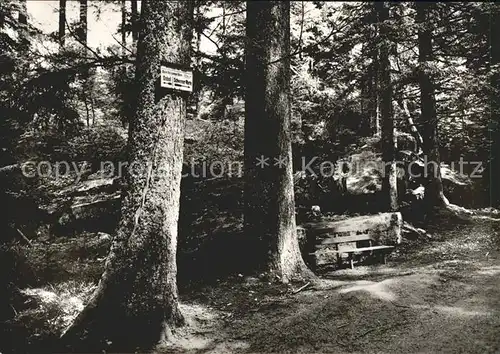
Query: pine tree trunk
[(124, 24), (134, 20), (82, 38), (366, 93), (370, 98), (136, 302), (87, 110), (389, 182), (494, 176), (124, 37), (269, 197), (82, 25), (223, 19), (376, 126), (413, 129), (434, 196), (197, 95), (62, 22)]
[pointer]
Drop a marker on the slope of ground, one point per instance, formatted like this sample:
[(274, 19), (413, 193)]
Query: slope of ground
[(443, 297), (439, 296)]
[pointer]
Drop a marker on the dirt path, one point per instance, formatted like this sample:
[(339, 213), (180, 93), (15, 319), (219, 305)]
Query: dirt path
[(443, 297)]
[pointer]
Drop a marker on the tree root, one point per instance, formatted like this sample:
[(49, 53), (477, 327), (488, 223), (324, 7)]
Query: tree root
[(464, 213), (421, 233), (116, 319)]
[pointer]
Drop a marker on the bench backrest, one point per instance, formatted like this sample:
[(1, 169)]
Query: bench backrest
[(383, 228), (334, 239)]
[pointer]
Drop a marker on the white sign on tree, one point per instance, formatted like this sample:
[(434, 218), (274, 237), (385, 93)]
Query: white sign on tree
[(176, 79)]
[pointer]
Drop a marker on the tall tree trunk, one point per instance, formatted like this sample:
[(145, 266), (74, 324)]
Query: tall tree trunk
[(86, 103), (124, 24), (434, 186), (494, 176), (376, 126), (226, 98), (82, 24), (62, 22), (134, 19), (223, 19), (124, 37), (389, 182), (269, 196), (82, 38), (197, 94), (136, 301), (366, 94), (413, 128), (92, 106)]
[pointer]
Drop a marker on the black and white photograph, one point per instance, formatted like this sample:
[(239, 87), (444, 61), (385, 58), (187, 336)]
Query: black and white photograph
[(205, 176)]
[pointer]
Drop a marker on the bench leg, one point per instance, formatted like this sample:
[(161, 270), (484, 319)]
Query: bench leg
[(382, 257), (351, 261), (339, 260), (339, 257)]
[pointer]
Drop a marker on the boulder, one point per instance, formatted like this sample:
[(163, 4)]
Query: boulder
[(91, 205)]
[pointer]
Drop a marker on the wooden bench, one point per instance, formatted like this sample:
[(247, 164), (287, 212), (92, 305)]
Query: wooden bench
[(344, 245), (332, 239)]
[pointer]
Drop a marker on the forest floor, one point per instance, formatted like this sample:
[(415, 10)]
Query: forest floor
[(440, 296)]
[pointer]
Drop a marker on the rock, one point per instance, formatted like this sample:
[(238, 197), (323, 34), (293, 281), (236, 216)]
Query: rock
[(84, 208), (89, 186), (315, 210), (103, 237), (91, 205), (454, 177), (251, 280), (85, 213)]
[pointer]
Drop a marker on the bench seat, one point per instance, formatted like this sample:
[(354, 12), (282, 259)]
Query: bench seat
[(362, 249), (354, 250)]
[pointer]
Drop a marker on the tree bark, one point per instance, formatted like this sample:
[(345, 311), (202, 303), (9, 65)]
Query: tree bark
[(82, 25), (413, 129), (197, 94), (375, 122), (269, 197), (367, 107), (494, 176), (434, 196), (62, 22), (82, 38), (136, 302), (124, 24), (389, 182), (134, 19)]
